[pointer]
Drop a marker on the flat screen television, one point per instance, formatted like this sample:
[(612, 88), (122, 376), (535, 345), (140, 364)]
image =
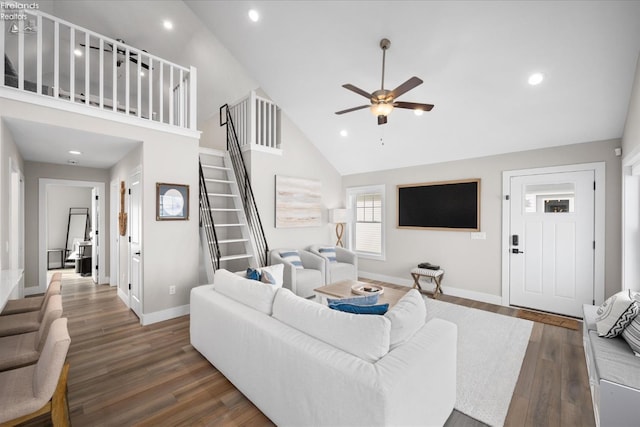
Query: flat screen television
[(447, 205)]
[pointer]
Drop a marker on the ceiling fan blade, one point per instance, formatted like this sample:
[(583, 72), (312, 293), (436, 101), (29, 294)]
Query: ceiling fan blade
[(382, 120), (357, 90), (406, 86), (107, 45), (135, 61), (413, 106), (348, 110)]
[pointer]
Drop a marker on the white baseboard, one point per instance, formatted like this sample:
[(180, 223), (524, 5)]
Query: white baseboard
[(448, 290), (162, 315), (123, 296)]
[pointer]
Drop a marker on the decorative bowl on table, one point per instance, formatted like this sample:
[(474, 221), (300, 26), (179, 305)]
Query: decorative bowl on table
[(367, 289)]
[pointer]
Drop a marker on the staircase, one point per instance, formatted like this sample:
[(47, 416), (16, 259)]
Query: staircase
[(226, 232)]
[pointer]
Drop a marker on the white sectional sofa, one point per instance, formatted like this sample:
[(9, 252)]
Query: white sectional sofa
[(304, 364), (614, 375)]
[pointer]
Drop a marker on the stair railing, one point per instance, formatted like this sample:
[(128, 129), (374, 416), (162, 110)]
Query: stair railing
[(206, 222), (244, 186)]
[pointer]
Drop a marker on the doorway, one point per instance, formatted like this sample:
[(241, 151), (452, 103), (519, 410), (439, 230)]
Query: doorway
[(97, 247), (553, 238)]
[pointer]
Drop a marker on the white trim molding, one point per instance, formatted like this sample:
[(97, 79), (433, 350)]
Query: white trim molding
[(599, 171), (162, 315)]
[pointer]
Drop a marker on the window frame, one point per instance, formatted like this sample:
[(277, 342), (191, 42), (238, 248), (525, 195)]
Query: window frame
[(352, 194)]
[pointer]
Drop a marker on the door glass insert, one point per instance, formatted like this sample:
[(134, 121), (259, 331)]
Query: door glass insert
[(550, 198)]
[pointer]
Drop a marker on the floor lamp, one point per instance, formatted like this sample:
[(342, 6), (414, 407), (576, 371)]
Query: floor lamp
[(338, 216)]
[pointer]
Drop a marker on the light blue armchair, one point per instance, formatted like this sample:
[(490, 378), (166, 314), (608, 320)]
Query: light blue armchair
[(301, 281), (344, 267)]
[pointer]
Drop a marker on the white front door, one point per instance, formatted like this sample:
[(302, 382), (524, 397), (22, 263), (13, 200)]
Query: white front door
[(135, 246), (552, 241), (95, 234)]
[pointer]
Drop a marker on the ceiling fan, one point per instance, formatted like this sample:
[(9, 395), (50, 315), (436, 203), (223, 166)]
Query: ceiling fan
[(384, 101), (121, 53)]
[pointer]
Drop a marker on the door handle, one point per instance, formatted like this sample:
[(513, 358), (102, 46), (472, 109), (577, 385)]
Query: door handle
[(137, 253), (516, 251)]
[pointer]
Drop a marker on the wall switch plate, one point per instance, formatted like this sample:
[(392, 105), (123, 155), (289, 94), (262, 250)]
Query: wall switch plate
[(479, 235), (172, 290)]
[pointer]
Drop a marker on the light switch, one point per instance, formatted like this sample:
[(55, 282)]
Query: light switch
[(479, 235)]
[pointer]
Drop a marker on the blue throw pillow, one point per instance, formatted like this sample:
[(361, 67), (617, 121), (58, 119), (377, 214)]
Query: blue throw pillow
[(361, 309), (293, 257), (329, 253), (253, 274), (363, 300)]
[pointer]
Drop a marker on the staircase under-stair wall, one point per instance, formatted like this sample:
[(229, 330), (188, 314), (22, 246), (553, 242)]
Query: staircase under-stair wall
[(230, 239)]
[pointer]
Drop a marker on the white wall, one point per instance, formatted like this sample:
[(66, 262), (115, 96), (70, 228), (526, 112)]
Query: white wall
[(170, 247), (8, 152), (631, 189), (34, 171), (59, 200), (631, 136), (475, 265), (300, 159)]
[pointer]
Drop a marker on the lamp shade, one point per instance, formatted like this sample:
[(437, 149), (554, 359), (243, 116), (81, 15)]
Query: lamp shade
[(338, 216)]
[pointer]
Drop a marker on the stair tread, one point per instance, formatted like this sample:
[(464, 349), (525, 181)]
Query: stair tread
[(220, 181), (221, 195), (233, 240), (231, 257), (222, 168)]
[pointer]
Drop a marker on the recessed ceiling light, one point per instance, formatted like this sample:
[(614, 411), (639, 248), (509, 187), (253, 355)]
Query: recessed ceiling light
[(168, 25), (77, 52), (535, 79), (75, 152), (254, 15), (344, 132), (418, 112)]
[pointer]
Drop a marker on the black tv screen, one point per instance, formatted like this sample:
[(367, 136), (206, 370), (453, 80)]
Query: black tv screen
[(451, 205)]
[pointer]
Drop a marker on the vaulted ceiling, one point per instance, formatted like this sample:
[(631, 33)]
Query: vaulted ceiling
[(474, 57)]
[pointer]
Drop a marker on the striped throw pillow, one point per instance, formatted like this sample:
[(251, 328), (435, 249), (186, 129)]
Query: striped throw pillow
[(631, 335), (329, 253), (616, 313), (293, 257)]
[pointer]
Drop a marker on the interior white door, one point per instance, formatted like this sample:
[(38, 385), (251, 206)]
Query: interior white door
[(135, 245), (552, 241), (95, 234)]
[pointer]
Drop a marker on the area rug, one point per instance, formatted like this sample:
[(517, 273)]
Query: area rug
[(491, 348)]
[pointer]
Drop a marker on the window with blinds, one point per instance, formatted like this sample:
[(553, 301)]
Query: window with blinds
[(366, 231)]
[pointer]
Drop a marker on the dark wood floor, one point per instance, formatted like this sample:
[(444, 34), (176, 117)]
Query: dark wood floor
[(125, 374)]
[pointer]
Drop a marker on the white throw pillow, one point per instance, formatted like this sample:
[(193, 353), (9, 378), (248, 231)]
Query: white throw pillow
[(276, 271), (616, 313), (407, 317), (364, 336), (252, 293)]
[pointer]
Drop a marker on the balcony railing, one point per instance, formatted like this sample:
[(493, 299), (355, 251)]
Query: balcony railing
[(51, 57), (257, 122)]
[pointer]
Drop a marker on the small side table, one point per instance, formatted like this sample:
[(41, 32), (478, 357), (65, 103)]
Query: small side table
[(432, 275)]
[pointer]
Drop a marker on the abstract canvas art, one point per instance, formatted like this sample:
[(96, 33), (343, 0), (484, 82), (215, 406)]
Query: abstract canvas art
[(298, 202)]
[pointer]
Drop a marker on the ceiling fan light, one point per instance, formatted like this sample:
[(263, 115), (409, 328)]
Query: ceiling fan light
[(381, 109), (418, 112)]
